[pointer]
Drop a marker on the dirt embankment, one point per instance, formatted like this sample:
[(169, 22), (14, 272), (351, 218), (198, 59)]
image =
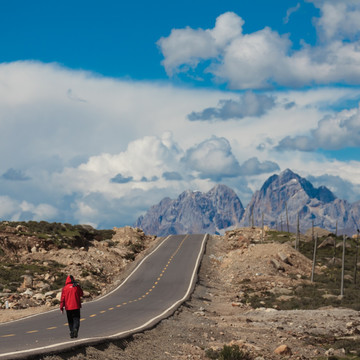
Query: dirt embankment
[(220, 311)]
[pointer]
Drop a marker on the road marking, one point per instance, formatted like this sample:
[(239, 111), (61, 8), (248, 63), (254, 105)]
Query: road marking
[(111, 308), (125, 303), (136, 329), (51, 328)]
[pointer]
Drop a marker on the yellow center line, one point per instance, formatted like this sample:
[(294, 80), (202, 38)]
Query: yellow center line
[(32, 331), (8, 335), (138, 299), (83, 319), (51, 328)]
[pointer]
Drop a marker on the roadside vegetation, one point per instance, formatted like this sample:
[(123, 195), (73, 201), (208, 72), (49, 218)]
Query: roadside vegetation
[(325, 290)]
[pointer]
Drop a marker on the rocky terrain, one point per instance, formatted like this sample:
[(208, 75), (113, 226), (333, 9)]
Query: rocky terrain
[(278, 204), (34, 266), (252, 289)]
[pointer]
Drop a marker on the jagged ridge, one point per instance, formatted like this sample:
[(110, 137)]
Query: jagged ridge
[(282, 198)]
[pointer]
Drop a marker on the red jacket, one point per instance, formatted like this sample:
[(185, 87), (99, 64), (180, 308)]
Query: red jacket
[(71, 295)]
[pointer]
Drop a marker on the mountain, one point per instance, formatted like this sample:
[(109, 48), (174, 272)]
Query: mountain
[(281, 201), (286, 196), (194, 212)]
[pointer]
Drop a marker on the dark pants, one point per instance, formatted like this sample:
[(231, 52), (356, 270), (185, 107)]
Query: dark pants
[(73, 317)]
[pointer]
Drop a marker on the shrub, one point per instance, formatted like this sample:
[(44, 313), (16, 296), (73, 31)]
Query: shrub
[(227, 353)]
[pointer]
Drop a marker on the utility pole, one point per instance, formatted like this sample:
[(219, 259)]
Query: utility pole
[(287, 217), (314, 259), (356, 255), (297, 241), (343, 267)]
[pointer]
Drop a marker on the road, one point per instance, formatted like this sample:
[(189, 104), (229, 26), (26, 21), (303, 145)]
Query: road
[(159, 284)]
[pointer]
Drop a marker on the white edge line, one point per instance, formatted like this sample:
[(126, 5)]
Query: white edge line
[(131, 330), (101, 297)]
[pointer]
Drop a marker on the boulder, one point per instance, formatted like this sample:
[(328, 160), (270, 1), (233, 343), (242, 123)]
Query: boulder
[(283, 350), (28, 281), (39, 296), (277, 265)]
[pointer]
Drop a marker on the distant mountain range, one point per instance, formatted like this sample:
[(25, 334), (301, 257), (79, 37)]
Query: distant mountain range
[(278, 204)]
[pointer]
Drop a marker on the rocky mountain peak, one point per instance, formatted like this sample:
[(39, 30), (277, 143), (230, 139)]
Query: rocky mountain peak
[(194, 212), (282, 199)]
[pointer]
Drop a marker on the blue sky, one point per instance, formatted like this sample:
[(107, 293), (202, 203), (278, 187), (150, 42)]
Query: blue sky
[(106, 108)]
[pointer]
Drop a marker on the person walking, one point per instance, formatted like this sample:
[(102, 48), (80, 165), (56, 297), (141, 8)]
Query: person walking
[(71, 295)]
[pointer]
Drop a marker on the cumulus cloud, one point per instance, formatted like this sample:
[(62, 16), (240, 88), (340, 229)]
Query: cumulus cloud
[(212, 159), (249, 104), (15, 210), (188, 46), (15, 175), (253, 166), (333, 133), (266, 58), (339, 19)]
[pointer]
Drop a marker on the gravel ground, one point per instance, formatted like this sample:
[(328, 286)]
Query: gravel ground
[(216, 315)]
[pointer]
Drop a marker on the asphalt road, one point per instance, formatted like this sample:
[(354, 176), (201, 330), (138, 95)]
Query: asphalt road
[(161, 282)]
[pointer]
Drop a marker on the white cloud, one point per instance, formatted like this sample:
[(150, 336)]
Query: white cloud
[(189, 46), (14, 210), (333, 133), (339, 19), (137, 133), (265, 58), (213, 159)]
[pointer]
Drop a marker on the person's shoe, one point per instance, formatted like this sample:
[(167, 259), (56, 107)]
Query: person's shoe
[(75, 333), (72, 335)]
